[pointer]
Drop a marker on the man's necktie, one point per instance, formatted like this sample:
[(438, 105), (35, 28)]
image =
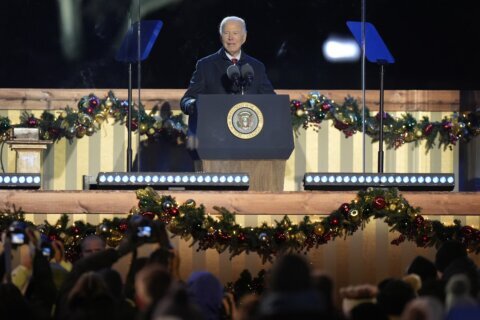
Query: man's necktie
[(234, 60)]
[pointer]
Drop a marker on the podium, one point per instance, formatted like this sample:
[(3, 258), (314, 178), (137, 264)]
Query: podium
[(243, 133)]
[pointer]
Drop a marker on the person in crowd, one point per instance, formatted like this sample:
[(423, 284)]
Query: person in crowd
[(152, 283), (92, 244), (177, 305), (290, 293), (90, 299), (424, 308), (210, 75), (393, 295), (206, 293)]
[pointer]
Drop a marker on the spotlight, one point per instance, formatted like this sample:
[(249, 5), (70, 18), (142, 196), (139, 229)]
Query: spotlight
[(402, 181), (20, 181), (168, 180)]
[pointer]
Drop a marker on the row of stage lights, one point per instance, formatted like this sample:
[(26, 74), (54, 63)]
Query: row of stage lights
[(241, 181)]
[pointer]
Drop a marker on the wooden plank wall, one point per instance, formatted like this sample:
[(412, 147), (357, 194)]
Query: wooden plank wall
[(356, 259)]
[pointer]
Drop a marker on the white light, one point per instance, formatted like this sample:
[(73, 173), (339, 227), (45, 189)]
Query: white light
[(110, 178), (331, 179), (133, 179), (336, 49), (428, 179), (193, 179), (354, 179), (118, 178), (184, 179), (29, 179), (376, 179), (238, 179), (338, 179), (1, 179), (6, 179), (443, 180), (346, 179), (214, 179), (178, 179), (413, 179), (398, 179), (229, 179), (450, 179), (21, 179), (383, 179), (324, 179), (36, 180), (316, 179), (148, 179), (102, 178), (170, 179), (405, 179), (223, 179), (309, 179), (391, 179), (162, 179), (125, 179), (368, 179), (435, 179), (200, 179), (155, 179), (245, 179), (361, 179), (208, 179), (421, 179), (14, 179), (140, 179)]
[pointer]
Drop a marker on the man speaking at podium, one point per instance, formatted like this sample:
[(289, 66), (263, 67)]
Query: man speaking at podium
[(229, 70)]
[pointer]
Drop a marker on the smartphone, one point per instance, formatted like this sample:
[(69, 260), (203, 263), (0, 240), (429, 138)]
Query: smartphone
[(46, 251), (144, 231), (18, 238)]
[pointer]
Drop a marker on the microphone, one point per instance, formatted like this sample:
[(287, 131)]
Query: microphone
[(233, 73), (247, 74)]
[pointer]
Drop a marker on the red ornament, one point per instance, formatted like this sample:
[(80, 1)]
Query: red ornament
[(280, 236), (75, 230), (325, 107), (174, 211), (334, 221), (428, 129), (148, 214), (32, 122), (447, 125), (90, 110), (297, 104), (340, 125), (344, 209), (241, 237), (123, 226), (379, 202), (419, 220)]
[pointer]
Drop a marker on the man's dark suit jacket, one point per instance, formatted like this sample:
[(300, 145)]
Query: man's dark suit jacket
[(210, 77)]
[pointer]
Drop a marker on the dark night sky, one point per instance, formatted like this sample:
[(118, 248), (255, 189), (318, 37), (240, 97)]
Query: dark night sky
[(434, 43)]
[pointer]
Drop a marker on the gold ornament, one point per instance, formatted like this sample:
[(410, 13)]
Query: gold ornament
[(319, 229), (392, 207), (300, 112), (354, 214), (190, 203), (301, 237), (211, 230), (90, 131), (99, 118), (143, 128), (418, 133)]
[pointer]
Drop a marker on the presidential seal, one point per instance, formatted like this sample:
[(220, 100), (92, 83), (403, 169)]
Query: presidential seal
[(245, 120)]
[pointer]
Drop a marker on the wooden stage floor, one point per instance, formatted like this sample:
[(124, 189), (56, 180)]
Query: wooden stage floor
[(240, 202)]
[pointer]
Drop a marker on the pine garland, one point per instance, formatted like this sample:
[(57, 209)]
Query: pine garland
[(93, 111), (192, 223)]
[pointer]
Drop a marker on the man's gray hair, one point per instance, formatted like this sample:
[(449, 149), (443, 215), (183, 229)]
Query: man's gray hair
[(232, 18)]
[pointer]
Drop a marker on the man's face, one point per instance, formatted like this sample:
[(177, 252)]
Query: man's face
[(92, 246), (233, 37)]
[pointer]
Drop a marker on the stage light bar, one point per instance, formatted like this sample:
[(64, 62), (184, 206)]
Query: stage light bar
[(402, 181), (173, 180), (20, 181)]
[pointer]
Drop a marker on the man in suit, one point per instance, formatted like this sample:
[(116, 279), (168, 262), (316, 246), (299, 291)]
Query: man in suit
[(210, 75)]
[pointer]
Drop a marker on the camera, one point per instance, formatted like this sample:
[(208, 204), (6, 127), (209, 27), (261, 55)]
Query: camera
[(46, 246), (16, 232), (141, 227)]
